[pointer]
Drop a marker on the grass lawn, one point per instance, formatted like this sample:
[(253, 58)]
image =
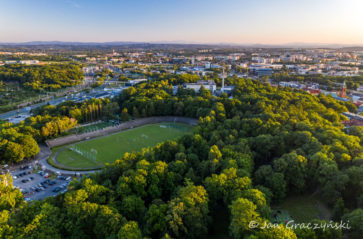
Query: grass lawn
[(97, 152), (303, 208)]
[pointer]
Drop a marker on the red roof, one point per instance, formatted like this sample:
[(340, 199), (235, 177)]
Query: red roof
[(352, 122), (313, 91)]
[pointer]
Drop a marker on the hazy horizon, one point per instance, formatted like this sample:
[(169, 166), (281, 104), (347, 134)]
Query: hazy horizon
[(288, 44), (262, 22)]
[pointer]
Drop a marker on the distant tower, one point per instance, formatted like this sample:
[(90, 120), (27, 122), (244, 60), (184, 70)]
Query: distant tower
[(343, 92), (222, 81)]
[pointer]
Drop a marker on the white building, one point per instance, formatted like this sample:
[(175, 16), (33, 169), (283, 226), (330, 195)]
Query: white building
[(29, 62), (209, 85), (10, 62), (136, 81)]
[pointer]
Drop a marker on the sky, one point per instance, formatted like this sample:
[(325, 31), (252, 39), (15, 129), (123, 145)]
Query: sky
[(185, 21)]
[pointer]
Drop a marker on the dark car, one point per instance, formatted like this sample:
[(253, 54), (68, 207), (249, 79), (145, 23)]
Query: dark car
[(62, 177), (25, 167), (52, 182), (25, 180), (31, 178), (57, 189), (37, 190)]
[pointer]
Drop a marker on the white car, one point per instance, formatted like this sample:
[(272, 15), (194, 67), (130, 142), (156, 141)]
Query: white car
[(15, 177)]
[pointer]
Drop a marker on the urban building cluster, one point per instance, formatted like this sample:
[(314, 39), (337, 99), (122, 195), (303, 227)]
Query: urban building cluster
[(119, 69)]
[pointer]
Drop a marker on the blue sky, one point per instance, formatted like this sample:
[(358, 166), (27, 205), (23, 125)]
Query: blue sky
[(204, 21)]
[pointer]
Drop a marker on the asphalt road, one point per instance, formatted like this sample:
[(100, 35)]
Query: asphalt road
[(78, 96), (28, 188)]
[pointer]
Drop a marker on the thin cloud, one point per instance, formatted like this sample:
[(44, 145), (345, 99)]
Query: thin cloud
[(74, 4)]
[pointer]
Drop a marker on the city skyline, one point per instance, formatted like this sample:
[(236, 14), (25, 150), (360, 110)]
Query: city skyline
[(207, 22)]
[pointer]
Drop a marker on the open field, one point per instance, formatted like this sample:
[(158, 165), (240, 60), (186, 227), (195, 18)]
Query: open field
[(303, 209), (97, 152)]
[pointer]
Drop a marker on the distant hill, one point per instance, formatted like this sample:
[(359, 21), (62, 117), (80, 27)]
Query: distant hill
[(180, 44)]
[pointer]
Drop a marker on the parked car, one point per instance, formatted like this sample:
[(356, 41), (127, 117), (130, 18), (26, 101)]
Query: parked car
[(68, 178), (46, 175), (37, 190), (31, 178), (24, 167), (41, 173), (21, 175), (52, 182), (57, 189), (25, 180)]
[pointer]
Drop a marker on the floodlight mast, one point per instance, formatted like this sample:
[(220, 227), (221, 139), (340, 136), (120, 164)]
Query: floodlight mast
[(222, 81)]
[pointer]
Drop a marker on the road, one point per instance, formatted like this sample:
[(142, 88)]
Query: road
[(76, 97)]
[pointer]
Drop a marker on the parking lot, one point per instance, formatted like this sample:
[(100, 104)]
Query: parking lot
[(38, 185)]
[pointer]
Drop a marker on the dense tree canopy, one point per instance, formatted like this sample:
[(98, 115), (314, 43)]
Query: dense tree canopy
[(247, 151), (38, 77)]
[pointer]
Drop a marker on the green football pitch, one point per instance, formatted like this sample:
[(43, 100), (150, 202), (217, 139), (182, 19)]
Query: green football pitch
[(96, 152)]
